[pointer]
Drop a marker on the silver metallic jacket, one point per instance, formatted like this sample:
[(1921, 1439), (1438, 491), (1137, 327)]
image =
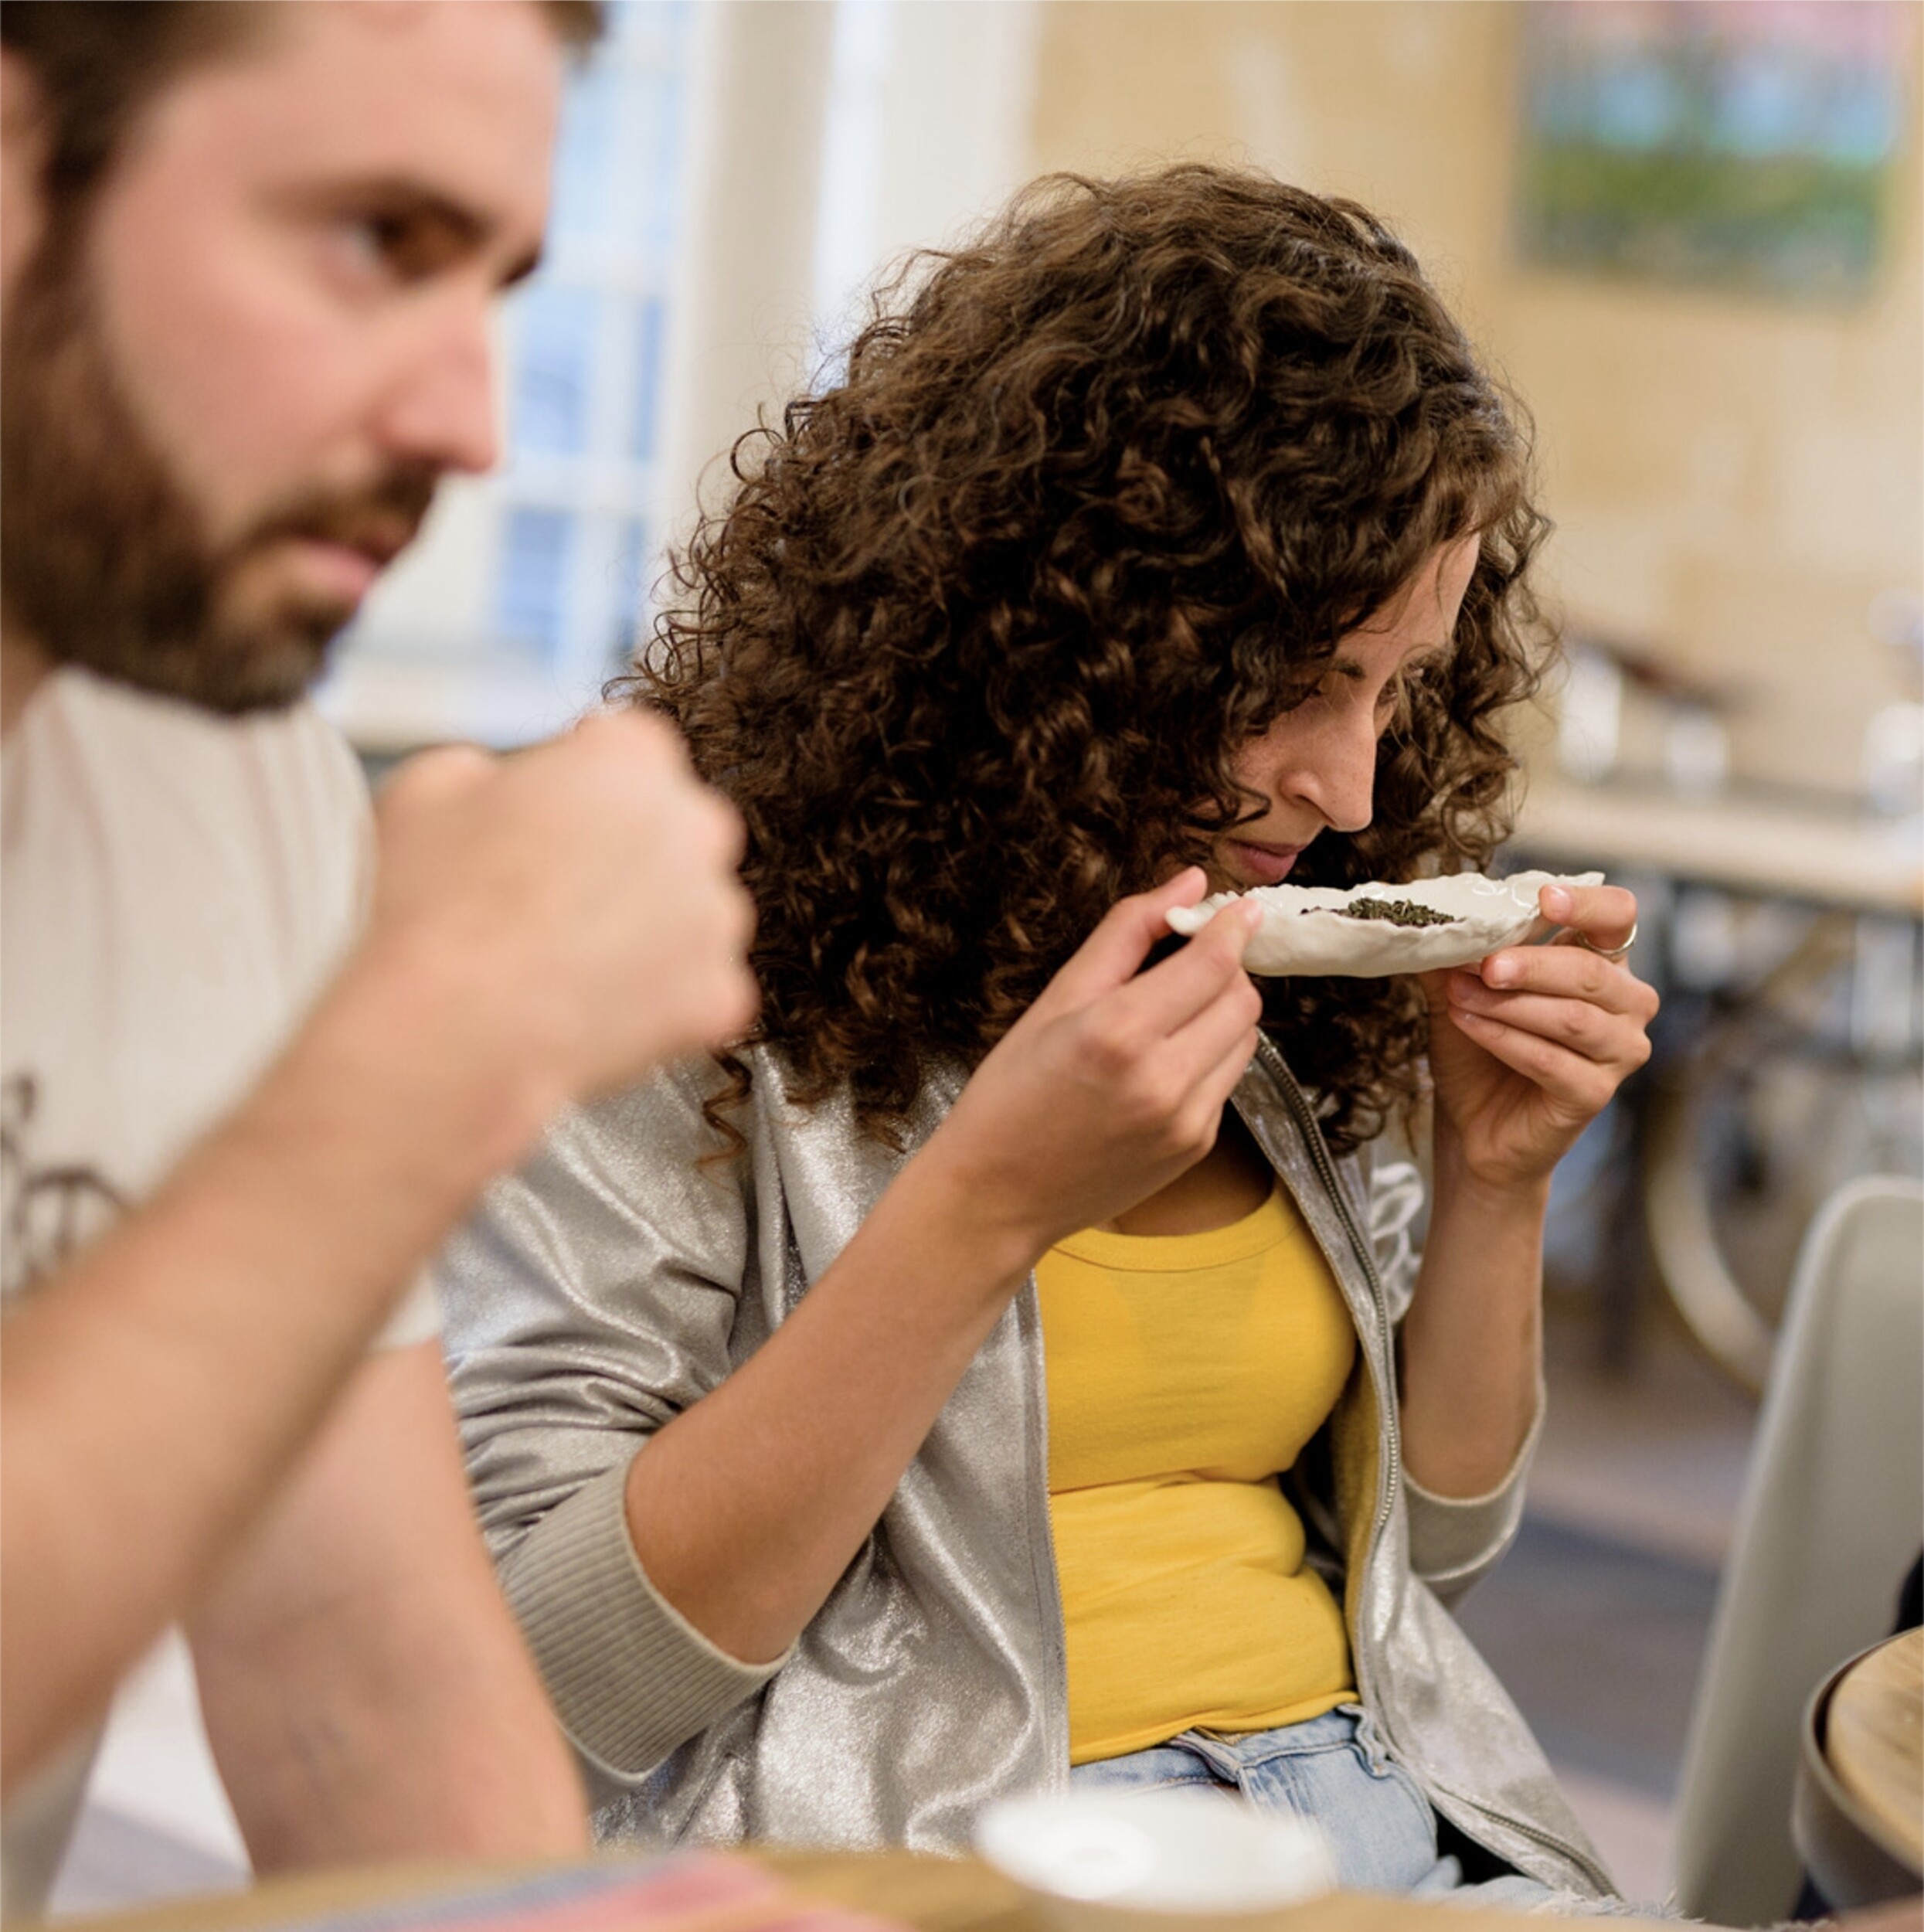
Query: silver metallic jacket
[(615, 1280)]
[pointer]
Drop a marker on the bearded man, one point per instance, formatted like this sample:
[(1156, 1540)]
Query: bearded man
[(249, 254)]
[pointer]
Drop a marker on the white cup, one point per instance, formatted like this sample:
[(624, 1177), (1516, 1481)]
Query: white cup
[(1136, 1861)]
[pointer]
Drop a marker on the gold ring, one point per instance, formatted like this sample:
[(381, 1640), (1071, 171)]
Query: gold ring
[(1615, 954)]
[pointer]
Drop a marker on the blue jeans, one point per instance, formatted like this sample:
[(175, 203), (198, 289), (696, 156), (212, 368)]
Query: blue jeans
[(1332, 1771)]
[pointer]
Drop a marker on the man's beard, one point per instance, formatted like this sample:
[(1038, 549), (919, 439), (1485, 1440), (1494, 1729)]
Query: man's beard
[(103, 561)]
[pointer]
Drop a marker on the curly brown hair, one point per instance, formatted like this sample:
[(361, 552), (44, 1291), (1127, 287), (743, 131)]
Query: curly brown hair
[(976, 637)]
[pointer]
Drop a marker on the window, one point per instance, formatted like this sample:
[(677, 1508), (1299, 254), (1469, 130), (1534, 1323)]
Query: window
[(522, 597)]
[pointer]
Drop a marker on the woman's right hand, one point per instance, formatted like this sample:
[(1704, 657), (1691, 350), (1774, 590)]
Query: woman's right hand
[(1112, 1084)]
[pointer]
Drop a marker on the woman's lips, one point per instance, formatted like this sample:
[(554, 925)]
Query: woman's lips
[(1262, 865)]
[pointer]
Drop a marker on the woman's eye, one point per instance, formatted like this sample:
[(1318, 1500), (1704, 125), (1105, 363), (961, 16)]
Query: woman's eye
[(1402, 692)]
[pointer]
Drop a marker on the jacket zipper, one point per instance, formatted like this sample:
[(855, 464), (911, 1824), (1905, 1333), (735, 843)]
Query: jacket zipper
[(1311, 1132), (1524, 1829)]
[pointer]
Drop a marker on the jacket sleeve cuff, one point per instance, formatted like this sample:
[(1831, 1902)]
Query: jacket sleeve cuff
[(584, 1601), (1455, 1540)]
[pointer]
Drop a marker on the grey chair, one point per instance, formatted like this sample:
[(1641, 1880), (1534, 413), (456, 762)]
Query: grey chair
[(1832, 1517)]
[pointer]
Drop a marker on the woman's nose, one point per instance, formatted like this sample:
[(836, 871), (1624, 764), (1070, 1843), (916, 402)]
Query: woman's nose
[(1335, 772)]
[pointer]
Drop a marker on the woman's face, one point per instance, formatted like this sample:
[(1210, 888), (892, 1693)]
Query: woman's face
[(1315, 767)]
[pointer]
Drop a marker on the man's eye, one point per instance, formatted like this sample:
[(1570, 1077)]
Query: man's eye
[(375, 241), (402, 246)]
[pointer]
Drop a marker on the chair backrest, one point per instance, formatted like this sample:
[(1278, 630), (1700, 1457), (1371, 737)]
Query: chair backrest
[(1832, 1517)]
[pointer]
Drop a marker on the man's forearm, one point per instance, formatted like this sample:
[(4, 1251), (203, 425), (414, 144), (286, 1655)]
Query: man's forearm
[(366, 1692), (169, 1374)]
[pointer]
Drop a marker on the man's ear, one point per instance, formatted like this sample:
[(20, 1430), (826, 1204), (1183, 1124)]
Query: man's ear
[(23, 153)]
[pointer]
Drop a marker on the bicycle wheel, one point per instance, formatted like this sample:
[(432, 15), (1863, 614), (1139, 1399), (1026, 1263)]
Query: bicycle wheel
[(1775, 1107)]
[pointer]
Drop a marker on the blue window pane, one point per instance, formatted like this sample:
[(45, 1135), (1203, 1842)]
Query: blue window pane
[(647, 380), (531, 595), (662, 148), (627, 18), (660, 27), (554, 367), (631, 560), (584, 155)]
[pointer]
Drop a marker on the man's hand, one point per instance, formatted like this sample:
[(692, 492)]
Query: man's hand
[(572, 911)]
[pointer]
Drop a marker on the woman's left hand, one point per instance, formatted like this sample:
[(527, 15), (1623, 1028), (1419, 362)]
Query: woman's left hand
[(1529, 1048)]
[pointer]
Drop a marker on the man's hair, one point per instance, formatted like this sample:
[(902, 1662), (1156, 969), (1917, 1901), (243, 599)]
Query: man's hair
[(976, 640), (99, 62)]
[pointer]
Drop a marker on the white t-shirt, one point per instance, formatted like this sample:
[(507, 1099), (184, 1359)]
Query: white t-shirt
[(176, 888)]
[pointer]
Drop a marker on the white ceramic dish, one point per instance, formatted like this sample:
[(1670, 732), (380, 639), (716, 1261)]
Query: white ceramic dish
[(1144, 1860), (1304, 931)]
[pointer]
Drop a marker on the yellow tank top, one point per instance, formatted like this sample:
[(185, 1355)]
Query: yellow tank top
[(1184, 1371)]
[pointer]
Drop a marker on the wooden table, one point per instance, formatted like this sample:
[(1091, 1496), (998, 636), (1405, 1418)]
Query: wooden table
[(1874, 1737), (1855, 1811), (931, 1894), (1757, 845), (964, 1895)]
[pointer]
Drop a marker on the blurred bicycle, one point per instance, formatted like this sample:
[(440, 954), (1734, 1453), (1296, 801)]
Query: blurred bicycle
[(1788, 941), (1804, 1075)]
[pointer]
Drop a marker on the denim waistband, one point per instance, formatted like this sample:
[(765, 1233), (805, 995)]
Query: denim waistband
[(1230, 1751)]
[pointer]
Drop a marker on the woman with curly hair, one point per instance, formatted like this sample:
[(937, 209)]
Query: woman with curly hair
[(1010, 1366)]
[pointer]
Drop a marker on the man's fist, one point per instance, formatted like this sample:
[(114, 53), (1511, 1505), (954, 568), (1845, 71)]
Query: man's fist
[(575, 905)]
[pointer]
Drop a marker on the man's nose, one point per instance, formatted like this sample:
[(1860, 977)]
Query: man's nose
[(443, 409)]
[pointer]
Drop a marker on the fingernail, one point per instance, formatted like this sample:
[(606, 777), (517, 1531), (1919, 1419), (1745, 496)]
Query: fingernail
[(1251, 912), (1499, 972), (1557, 901)]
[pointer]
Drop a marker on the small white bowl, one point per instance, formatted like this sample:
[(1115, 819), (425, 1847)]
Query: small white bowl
[(1137, 1861), (1305, 931)]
